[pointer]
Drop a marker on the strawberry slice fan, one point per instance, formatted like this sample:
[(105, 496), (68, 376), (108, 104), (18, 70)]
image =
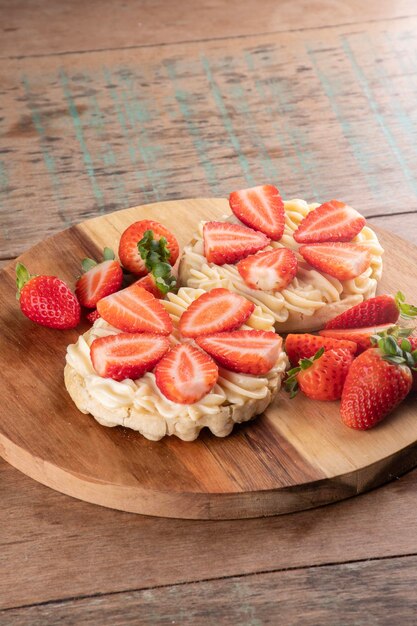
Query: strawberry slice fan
[(175, 366), (303, 264)]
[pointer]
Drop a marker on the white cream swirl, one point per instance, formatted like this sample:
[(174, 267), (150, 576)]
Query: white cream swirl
[(142, 396), (310, 292)]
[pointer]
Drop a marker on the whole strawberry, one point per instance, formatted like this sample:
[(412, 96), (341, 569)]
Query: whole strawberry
[(321, 377), (384, 309), (99, 279), (378, 380), (47, 300)]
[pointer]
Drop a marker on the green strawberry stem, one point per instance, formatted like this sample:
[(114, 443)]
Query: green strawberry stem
[(22, 277), (291, 383), (408, 311), (395, 347), (155, 254), (88, 264)]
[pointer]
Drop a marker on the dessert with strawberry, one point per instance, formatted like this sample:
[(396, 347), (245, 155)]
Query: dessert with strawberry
[(174, 366), (303, 264)]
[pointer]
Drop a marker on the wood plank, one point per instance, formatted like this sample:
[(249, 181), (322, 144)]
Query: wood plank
[(338, 594), (54, 547), (39, 27), (86, 134), (404, 226)]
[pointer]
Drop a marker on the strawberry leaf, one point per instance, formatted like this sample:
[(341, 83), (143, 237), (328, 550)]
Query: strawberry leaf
[(22, 277), (408, 311), (155, 254), (88, 264)]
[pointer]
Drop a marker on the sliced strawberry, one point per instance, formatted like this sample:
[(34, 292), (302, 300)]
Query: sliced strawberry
[(148, 283), (127, 355), (99, 281), (217, 310), (361, 336), (260, 208), (305, 346), (332, 221), (228, 243), (382, 309), (246, 351), (272, 270), (341, 260), (135, 310), (93, 315), (185, 374), (128, 247)]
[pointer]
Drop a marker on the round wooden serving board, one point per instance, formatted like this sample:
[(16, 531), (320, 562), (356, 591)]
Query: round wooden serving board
[(296, 456)]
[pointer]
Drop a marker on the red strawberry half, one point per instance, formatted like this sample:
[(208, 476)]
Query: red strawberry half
[(135, 310), (332, 221), (323, 376), (379, 310), (341, 260), (215, 311), (127, 355), (228, 243), (247, 351), (148, 283), (129, 254), (47, 300), (185, 374), (361, 336), (271, 270), (260, 208), (99, 280), (304, 346)]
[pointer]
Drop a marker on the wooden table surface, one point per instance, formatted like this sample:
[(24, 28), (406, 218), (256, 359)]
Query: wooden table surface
[(106, 105)]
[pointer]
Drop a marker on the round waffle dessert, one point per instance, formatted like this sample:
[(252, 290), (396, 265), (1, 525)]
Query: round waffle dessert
[(301, 263)]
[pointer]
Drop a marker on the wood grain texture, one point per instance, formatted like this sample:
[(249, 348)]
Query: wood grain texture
[(54, 547), (336, 595), (322, 116), (296, 456), (33, 27)]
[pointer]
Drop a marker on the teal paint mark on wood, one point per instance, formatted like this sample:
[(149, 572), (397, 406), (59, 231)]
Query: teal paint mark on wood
[(139, 116), (139, 174), (333, 88), (379, 117), (79, 133), (97, 122), (282, 144), (200, 144), (227, 123), (48, 158), (297, 137)]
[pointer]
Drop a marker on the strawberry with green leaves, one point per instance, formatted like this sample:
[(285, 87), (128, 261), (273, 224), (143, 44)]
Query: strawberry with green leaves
[(99, 279), (47, 300), (378, 381), (133, 259), (323, 376), (156, 256), (383, 309)]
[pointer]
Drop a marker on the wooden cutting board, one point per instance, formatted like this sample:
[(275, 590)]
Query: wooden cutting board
[(296, 456)]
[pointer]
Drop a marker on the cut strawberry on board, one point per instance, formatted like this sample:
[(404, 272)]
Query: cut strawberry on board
[(305, 346), (47, 300), (228, 243), (260, 208), (246, 351), (382, 309), (331, 221), (361, 336), (135, 310), (322, 377), (271, 270), (215, 311), (343, 261), (378, 380), (99, 279), (127, 355), (129, 253), (186, 374)]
